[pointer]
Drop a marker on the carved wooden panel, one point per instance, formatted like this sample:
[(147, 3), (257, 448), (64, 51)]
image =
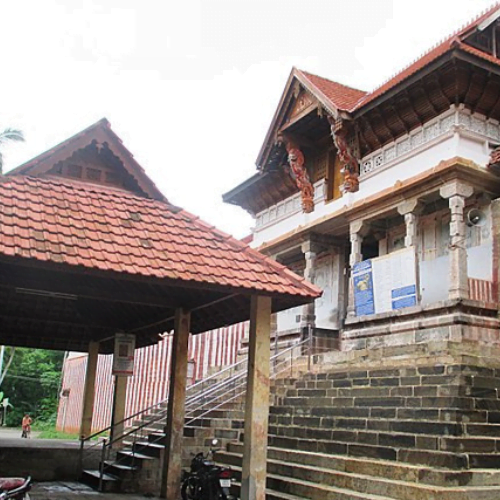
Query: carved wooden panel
[(320, 167), (302, 102)]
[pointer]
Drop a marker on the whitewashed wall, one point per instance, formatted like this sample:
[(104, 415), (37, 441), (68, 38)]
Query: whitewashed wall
[(454, 133)]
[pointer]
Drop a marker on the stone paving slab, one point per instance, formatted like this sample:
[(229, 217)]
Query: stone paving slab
[(76, 491)]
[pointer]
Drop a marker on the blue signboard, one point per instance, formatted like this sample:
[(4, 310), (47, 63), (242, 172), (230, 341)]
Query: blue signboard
[(404, 297), (363, 288)]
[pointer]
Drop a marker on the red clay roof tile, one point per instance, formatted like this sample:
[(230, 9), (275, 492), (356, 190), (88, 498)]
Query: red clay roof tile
[(78, 224), (342, 96), (349, 99)]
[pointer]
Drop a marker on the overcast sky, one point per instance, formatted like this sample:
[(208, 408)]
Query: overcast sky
[(191, 86)]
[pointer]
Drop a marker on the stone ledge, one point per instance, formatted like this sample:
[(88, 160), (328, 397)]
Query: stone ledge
[(466, 305)]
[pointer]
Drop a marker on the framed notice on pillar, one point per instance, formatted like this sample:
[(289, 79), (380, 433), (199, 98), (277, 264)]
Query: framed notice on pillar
[(123, 357)]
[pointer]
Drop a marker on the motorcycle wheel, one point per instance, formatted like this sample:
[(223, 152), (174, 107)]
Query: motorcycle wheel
[(190, 489)]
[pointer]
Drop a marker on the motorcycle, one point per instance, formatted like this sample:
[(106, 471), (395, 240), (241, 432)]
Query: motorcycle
[(206, 480), (15, 488)]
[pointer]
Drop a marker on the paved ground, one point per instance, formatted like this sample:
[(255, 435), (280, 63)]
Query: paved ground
[(11, 437), (14, 433), (75, 491)]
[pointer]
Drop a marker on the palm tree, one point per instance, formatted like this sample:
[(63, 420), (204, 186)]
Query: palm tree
[(9, 134)]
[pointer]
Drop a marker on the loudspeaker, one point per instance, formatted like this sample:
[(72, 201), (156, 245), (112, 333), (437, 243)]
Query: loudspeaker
[(476, 217)]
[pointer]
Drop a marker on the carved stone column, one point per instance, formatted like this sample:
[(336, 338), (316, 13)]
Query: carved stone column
[(410, 210), (456, 192), (308, 310), (357, 230)]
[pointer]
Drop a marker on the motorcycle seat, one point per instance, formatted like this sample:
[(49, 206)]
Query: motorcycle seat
[(11, 483)]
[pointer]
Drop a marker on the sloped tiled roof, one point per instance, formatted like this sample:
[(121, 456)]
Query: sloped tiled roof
[(348, 99), (77, 224), (451, 42), (342, 96)]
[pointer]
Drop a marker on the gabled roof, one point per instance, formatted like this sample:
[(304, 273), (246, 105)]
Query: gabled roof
[(333, 96), (340, 96), (92, 227), (102, 133), (454, 41), (337, 98)]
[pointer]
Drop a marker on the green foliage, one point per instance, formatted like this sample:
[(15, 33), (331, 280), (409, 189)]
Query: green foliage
[(32, 384), (47, 431)]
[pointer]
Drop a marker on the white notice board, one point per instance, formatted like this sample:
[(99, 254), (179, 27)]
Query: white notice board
[(394, 281), (123, 357)]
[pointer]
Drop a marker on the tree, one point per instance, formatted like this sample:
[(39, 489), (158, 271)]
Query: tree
[(9, 135), (32, 383)]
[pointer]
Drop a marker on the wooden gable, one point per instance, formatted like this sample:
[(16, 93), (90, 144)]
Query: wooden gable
[(96, 156), (95, 164)]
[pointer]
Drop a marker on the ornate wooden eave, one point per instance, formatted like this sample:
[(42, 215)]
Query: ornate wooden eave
[(319, 101), (462, 76)]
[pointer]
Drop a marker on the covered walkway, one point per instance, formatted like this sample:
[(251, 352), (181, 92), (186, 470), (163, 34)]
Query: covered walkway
[(90, 250)]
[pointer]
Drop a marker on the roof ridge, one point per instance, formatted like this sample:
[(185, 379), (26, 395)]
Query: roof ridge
[(455, 36), (308, 73)]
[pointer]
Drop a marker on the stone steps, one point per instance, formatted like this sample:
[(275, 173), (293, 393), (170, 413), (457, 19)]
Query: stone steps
[(372, 467), (282, 488), (315, 482), (409, 439), (109, 483), (418, 421), (404, 413)]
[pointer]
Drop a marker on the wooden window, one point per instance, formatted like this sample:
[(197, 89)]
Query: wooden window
[(112, 178), (74, 170), (93, 174), (334, 176)]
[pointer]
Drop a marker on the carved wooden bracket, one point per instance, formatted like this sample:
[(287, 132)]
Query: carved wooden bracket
[(299, 174), (494, 163), (350, 165)]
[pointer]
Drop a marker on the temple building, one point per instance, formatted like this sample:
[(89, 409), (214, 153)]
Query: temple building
[(387, 200)]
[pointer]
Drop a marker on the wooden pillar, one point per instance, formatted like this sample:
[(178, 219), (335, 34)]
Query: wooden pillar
[(456, 192), (118, 413), (89, 390), (253, 483), (172, 463)]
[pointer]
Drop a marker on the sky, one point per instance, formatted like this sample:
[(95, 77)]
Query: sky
[(191, 86)]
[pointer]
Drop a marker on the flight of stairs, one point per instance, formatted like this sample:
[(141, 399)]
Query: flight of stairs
[(427, 431), (425, 428), (137, 467)]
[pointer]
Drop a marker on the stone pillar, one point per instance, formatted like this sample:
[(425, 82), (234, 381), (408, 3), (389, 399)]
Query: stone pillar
[(253, 482), (308, 310), (174, 429), (357, 230), (495, 219), (118, 413), (410, 210), (89, 390), (456, 192)]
